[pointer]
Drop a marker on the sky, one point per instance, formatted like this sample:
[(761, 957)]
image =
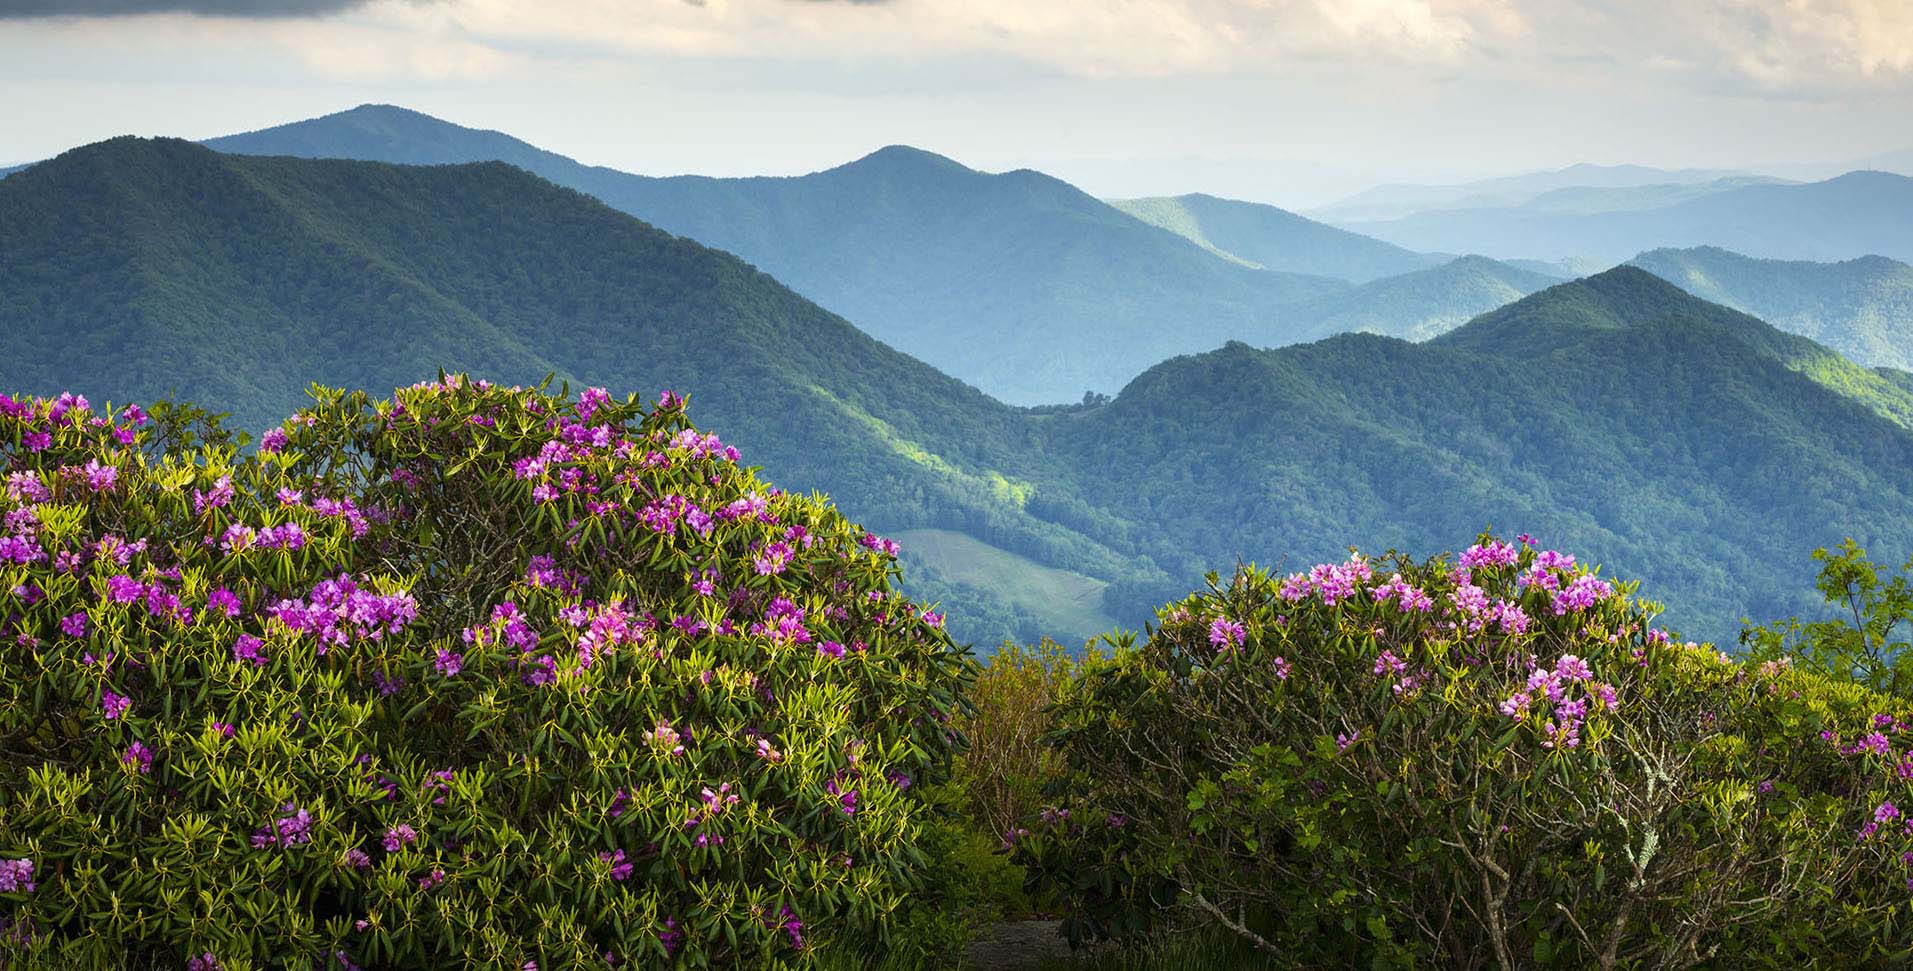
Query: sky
[(1295, 102)]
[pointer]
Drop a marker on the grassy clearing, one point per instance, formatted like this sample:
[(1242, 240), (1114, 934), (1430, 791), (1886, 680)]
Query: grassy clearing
[(1069, 604)]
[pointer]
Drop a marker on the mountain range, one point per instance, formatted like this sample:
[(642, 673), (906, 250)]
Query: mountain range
[(1035, 292), (1016, 282), (1395, 200), (1854, 215), (1671, 439)]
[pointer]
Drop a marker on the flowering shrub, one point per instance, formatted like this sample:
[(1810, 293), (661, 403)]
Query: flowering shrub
[(470, 677), (1493, 762)]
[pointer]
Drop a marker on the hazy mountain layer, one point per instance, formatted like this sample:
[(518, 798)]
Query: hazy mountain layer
[(1862, 308), (1275, 239), (1858, 214)]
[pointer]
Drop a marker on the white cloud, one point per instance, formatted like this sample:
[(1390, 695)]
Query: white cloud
[(1088, 38)]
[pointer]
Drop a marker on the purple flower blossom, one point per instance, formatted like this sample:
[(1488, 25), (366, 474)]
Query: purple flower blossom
[(1494, 553), (878, 544), (399, 837), (100, 478), (1572, 668), (620, 869), (286, 536), (338, 613), (122, 589), (1586, 591), (273, 441), (773, 559), (1411, 598), (20, 549), (1516, 707), (139, 756), (246, 648), (74, 624), (449, 663), (224, 601), (16, 876), (590, 401), (292, 829), (218, 496), (115, 705), (1225, 633)]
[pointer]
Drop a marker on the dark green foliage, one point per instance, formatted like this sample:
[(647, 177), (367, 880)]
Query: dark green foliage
[(1862, 308), (1400, 764)]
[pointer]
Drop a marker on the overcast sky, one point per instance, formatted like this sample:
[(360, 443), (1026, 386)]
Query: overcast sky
[(1291, 101)]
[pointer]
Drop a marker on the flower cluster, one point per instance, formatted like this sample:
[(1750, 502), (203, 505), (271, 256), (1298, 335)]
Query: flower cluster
[(16, 876), (1552, 687)]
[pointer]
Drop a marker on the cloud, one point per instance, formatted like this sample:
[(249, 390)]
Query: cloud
[(1807, 49), (1788, 49), (1081, 38), (264, 9)]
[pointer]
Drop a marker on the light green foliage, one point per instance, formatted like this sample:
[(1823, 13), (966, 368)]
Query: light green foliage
[(1867, 638)]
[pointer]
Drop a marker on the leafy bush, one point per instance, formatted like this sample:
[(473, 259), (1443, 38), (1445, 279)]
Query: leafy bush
[(1864, 640), (1494, 763), (1006, 768), (470, 677)]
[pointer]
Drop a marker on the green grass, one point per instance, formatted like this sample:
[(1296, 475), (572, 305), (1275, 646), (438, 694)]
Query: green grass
[(1067, 603)]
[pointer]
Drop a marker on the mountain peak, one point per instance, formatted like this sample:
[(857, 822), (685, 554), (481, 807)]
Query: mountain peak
[(903, 160), (386, 133), (1618, 299)]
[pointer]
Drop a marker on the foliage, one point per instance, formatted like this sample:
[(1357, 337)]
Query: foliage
[(469, 677), (1498, 762), (1864, 642), (1008, 770)]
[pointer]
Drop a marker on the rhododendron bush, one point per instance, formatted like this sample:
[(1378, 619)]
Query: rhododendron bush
[(472, 676), (1495, 761)]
